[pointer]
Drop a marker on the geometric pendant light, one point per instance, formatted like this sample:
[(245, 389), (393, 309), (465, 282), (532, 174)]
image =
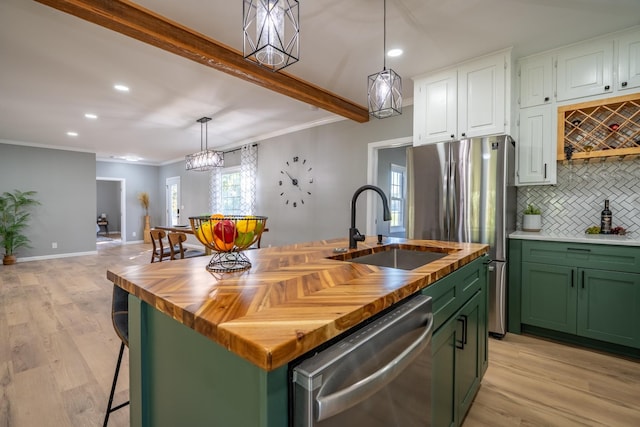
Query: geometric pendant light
[(205, 159), (384, 89), (271, 32)]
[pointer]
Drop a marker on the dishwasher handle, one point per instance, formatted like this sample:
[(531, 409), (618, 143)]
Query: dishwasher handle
[(340, 401)]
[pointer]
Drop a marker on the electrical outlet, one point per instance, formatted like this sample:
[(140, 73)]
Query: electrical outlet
[(133, 234), (54, 245)]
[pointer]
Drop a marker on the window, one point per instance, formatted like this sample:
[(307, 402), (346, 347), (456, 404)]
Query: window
[(232, 190), (397, 191), (231, 194)]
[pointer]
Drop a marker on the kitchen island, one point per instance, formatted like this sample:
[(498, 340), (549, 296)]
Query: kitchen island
[(216, 347)]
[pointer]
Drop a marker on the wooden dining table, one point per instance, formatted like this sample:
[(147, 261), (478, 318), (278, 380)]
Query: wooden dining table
[(188, 230)]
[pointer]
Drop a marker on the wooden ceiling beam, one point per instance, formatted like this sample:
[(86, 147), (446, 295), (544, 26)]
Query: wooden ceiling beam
[(132, 20)]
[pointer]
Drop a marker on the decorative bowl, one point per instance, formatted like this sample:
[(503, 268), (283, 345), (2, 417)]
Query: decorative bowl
[(228, 236)]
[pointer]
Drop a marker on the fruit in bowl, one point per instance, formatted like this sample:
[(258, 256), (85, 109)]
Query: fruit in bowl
[(228, 233)]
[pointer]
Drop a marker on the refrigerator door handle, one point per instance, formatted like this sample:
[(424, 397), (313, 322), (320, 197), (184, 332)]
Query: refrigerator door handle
[(453, 205)]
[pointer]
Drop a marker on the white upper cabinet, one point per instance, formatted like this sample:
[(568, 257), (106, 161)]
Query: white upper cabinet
[(629, 61), (536, 85), (435, 103), (536, 148), (585, 70), (481, 97), (465, 101)]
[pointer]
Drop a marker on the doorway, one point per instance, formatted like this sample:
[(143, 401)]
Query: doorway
[(173, 201), (376, 173), (111, 201)]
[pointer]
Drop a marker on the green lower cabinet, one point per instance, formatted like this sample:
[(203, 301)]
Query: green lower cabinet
[(597, 304), (469, 354), (609, 306), (443, 347), (549, 296), (458, 359)]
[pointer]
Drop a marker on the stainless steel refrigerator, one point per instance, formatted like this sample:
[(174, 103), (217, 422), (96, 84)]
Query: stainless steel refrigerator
[(464, 191)]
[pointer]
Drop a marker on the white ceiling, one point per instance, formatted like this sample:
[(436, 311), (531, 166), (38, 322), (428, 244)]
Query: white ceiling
[(55, 67)]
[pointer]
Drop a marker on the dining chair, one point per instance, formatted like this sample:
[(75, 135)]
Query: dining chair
[(175, 246), (120, 319), (160, 252)]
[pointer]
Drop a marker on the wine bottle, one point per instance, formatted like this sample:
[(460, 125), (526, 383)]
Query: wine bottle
[(605, 219)]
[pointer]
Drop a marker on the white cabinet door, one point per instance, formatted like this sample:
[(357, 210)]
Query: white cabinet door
[(629, 62), (435, 109), (585, 70), (535, 150), (536, 86), (481, 97)]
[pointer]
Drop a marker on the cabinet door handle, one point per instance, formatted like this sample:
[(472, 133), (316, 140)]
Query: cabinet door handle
[(624, 84), (452, 136), (572, 278), (607, 87), (460, 344), (546, 99), (545, 171), (579, 249), (582, 279), (464, 134)]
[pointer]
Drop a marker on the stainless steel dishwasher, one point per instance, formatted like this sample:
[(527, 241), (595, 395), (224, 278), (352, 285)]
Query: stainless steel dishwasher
[(379, 376)]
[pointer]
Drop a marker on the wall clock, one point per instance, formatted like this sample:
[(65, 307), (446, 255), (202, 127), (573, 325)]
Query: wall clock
[(295, 182)]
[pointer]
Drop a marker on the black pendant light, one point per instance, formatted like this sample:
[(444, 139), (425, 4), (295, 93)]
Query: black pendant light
[(271, 32), (384, 89)]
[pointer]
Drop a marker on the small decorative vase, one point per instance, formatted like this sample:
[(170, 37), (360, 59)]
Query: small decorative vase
[(531, 222), (9, 260), (146, 236)]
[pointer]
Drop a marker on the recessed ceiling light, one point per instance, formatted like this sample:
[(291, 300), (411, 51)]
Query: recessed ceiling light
[(72, 133), (394, 52), (127, 158), (91, 116), (121, 88)]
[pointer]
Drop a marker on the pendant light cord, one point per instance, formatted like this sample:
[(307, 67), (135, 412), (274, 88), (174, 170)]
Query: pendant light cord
[(384, 36)]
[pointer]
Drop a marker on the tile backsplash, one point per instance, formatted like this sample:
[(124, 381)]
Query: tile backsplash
[(574, 204)]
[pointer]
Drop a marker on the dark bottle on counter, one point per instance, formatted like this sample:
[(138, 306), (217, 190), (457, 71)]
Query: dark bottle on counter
[(605, 219)]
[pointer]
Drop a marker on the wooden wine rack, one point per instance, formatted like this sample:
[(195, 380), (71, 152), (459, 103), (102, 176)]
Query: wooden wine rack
[(604, 128)]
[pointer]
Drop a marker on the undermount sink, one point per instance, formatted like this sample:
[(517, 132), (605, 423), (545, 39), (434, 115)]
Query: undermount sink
[(404, 257)]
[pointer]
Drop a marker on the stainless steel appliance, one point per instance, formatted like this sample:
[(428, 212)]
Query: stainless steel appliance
[(464, 191), (378, 376)]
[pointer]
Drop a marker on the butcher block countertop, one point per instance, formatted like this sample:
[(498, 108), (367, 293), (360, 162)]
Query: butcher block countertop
[(291, 300)]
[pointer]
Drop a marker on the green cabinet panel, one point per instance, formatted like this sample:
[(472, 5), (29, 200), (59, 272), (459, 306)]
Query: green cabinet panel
[(549, 296), (459, 343), (469, 358), (181, 378), (443, 347), (452, 291), (602, 257), (609, 306)]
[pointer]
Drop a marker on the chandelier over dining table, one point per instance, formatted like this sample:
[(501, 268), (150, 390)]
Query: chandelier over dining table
[(205, 159)]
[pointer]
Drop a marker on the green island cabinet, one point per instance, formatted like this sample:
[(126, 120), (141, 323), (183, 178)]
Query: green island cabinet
[(181, 378), (459, 343), (583, 293)]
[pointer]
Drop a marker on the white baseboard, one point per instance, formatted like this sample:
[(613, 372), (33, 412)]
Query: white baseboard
[(54, 256)]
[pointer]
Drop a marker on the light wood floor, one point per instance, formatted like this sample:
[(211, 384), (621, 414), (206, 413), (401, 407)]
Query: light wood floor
[(58, 352)]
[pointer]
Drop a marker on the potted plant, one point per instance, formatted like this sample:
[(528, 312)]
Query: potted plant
[(531, 218), (14, 218), (144, 201)]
